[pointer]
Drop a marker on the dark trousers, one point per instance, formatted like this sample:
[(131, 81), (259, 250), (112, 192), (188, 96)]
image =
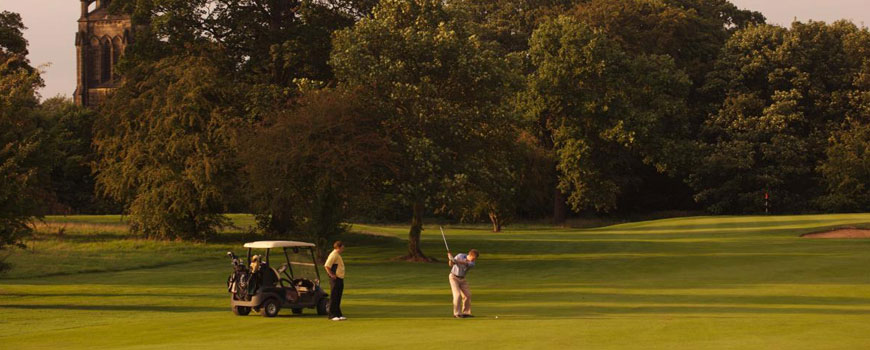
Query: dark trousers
[(335, 297)]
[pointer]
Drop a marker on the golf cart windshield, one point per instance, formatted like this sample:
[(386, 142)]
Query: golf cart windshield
[(302, 263)]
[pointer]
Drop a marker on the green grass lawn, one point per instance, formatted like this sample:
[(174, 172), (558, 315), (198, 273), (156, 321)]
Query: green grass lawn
[(687, 283)]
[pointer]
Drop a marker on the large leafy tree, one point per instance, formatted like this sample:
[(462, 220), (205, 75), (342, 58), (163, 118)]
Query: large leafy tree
[(22, 160), (72, 181), (166, 141), (690, 31), (268, 41), (782, 92), (845, 170), (441, 90), (311, 165), (12, 40), (605, 112), (259, 51), (24, 151), (508, 182), (509, 23)]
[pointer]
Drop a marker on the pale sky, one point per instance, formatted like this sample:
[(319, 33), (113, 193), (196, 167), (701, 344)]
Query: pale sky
[(52, 26)]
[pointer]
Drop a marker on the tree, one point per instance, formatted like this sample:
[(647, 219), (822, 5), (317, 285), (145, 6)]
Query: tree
[(605, 111), (845, 170), (310, 166), (783, 92), (21, 158), (12, 40), (441, 90), (70, 128), (24, 155), (690, 31), (509, 23), (166, 141), (266, 41), (507, 185), (262, 52)]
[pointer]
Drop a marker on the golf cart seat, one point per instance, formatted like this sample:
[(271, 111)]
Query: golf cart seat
[(303, 285), (270, 277)]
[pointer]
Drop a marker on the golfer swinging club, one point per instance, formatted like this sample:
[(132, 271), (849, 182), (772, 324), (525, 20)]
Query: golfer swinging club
[(458, 285)]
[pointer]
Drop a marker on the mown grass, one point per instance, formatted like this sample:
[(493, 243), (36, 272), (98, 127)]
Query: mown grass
[(687, 283)]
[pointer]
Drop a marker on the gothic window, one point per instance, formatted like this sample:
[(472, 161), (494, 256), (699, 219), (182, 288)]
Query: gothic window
[(117, 49), (105, 61), (92, 62)]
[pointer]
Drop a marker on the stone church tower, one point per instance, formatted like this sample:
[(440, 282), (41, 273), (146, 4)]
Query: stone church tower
[(100, 42)]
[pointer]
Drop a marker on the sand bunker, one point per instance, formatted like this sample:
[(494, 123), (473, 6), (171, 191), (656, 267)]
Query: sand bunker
[(840, 233)]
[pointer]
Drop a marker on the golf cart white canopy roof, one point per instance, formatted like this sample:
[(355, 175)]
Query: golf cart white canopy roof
[(277, 244)]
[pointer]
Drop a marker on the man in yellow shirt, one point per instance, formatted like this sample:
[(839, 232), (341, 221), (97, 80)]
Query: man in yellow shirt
[(335, 269)]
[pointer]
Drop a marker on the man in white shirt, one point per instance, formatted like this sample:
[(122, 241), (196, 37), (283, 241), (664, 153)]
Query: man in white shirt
[(335, 269)]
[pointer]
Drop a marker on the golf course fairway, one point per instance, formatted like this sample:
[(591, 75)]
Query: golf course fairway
[(746, 282)]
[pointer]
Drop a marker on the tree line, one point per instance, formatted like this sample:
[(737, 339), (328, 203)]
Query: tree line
[(311, 113)]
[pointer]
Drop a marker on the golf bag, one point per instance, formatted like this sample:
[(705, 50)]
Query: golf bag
[(238, 281)]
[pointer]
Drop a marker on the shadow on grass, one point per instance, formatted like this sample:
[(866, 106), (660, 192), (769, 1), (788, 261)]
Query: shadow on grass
[(136, 308), (356, 238), (735, 227), (107, 270), (554, 311), (713, 300), (116, 295), (560, 312), (84, 237), (236, 237)]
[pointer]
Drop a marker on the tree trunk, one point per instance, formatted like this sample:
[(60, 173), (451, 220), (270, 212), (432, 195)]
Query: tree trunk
[(414, 251), (560, 208), (496, 221)]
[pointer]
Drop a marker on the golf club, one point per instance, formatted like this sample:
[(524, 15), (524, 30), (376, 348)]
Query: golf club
[(445, 239)]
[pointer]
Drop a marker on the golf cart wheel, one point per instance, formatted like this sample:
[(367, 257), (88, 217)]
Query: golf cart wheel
[(241, 310), (270, 308), (297, 310), (323, 306)]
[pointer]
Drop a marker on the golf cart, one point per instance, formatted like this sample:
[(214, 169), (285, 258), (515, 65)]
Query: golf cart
[(258, 286)]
